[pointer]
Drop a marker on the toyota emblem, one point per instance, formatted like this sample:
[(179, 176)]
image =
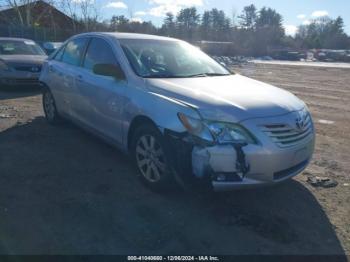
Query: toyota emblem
[(300, 121)]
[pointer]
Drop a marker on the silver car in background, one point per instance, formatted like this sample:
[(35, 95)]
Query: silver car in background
[(179, 114), (20, 62)]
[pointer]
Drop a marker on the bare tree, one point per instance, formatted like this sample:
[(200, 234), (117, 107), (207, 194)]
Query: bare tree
[(6, 4), (89, 14), (131, 12), (70, 8)]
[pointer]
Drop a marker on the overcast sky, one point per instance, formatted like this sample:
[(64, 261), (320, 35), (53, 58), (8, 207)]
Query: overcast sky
[(294, 12)]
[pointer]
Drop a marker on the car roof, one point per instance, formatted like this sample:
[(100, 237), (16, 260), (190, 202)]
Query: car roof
[(129, 36), (15, 39)]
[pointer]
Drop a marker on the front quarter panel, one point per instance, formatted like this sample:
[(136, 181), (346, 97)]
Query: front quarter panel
[(162, 110)]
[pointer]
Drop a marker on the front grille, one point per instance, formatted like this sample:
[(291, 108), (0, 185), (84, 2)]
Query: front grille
[(30, 68), (285, 135), (290, 171)]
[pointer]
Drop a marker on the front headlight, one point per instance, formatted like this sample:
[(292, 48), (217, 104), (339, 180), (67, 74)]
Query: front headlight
[(219, 132), (196, 127), (228, 133)]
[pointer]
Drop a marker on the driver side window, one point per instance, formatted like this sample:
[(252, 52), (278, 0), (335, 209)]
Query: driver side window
[(99, 52)]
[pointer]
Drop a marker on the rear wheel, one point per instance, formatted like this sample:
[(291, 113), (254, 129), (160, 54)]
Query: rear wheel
[(49, 106), (148, 150)]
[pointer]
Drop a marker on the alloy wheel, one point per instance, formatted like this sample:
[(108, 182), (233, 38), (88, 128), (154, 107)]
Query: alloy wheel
[(150, 158)]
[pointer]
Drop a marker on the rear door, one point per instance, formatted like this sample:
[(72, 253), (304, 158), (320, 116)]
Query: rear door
[(63, 70), (70, 67), (103, 96)]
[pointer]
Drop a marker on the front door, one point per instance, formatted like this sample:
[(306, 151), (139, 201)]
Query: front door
[(102, 97)]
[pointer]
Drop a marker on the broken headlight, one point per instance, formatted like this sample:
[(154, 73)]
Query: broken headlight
[(218, 132), (196, 127), (228, 133)]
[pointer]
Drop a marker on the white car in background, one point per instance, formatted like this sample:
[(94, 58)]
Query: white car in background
[(20, 62)]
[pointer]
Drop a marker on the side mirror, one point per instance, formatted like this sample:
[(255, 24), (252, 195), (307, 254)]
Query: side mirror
[(109, 70)]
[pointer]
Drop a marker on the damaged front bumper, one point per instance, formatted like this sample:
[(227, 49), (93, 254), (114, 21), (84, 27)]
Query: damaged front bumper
[(235, 166), (263, 167)]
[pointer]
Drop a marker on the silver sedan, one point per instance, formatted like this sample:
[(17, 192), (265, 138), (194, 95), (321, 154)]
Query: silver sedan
[(181, 116)]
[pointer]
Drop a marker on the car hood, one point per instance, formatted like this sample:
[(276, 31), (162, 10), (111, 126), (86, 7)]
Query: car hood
[(23, 59), (231, 98)]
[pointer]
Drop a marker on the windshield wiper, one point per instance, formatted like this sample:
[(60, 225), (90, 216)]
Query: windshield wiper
[(196, 75), (207, 74), (186, 76), (162, 76)]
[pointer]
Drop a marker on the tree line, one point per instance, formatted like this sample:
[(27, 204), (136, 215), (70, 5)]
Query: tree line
[(253, 32)]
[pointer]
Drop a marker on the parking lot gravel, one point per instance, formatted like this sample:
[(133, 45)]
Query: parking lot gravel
[(63, 191)]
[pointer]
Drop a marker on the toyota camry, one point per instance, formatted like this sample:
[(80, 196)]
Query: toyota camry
[(182, 117)]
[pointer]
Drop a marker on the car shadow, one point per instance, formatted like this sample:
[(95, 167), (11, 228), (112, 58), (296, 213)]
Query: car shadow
[(18, 92), (62, 191)]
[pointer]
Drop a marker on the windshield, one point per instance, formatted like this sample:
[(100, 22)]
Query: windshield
[(169, 59), (8, 47)]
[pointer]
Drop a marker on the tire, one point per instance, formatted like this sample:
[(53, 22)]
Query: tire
[(49, 106), (150, 158)]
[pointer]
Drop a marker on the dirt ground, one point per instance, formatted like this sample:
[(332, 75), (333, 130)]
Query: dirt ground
[(62, 191)]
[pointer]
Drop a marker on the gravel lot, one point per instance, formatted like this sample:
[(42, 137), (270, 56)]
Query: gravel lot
[(62, 191)]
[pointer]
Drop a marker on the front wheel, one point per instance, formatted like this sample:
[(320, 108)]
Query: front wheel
[(49, 106), (148, 151)]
